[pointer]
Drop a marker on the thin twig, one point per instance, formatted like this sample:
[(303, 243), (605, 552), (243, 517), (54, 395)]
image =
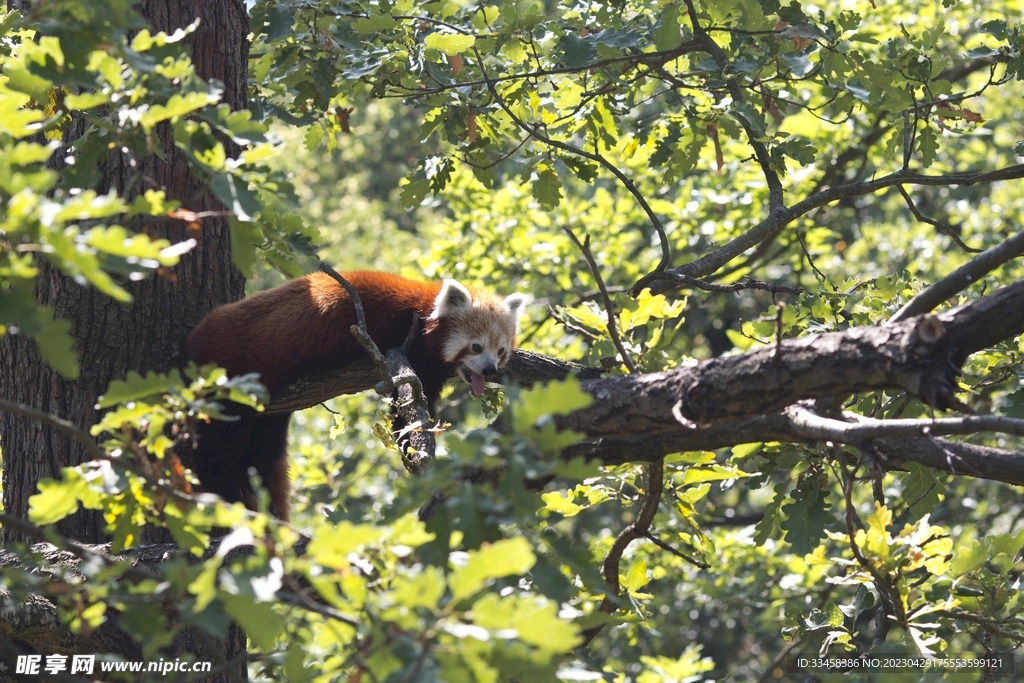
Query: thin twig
[(746, 283), (943, 227), (666, 252), (609, 307), (813, 426), (72, 431), (681, 555), (360, 331), (777, 221), (776, 200)]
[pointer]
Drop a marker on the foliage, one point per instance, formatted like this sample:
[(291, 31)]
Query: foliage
[(660, 126)]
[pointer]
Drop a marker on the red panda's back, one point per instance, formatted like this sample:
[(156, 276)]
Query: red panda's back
[(305, 324)]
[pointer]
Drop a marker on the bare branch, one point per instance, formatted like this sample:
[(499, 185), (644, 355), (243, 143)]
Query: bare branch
[(68, 429), (635, 530), (609, 307), (746, 283), (942, 227), (954, 457), (776, 221), (815, 427), (122, 463), (962, 278), (360, 331), (681, 555)]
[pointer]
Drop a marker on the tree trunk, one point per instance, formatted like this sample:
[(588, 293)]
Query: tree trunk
[(148, 334)]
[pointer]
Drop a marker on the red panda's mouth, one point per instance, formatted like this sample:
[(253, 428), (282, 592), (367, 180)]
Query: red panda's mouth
[(474, 379)]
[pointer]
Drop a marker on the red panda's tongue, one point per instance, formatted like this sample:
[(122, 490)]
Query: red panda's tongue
[(477, 383)]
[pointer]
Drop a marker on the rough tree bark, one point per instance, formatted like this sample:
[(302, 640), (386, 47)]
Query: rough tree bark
[(149, 334)]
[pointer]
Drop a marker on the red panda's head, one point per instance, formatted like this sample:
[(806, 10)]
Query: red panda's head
[(478, 330)]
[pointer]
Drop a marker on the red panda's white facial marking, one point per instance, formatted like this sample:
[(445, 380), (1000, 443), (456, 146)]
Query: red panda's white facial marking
[(481, 330)]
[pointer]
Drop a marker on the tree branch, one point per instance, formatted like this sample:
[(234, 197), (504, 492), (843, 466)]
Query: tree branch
[(609, 307), (921, 355), (635, 530), (962, 278), (524, 368), (942, 227), (776, 221)]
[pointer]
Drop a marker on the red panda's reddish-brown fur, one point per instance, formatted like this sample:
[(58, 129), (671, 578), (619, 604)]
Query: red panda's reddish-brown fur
[(303, 327)]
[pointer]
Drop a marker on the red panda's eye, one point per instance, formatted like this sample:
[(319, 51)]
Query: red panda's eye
[(501, 351), (476, 348)]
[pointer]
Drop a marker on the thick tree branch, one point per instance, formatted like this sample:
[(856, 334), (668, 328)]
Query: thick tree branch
[(922, 356), (524, 368)]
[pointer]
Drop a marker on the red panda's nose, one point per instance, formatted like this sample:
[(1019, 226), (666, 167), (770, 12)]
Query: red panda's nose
[(488, 369)]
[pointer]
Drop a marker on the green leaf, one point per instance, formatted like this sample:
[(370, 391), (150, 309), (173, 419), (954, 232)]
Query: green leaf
[(331, 545), (636, 577), (419, 590), (16, 120), (514, 51), (204, 586), (294, 664), (414, 192), (87, 100), (176, 107), (372, 24), (747, 115), (921, 490), (147, 623), (56, 499), (928, 144), (534, 620), (26, 153), (696, 475), (235, 194), (745, 450), (135, 386), (450, 43), (508, 557), (969, 556), (188, 536), (556, 502), (553, 398), (576, 51), (56, 347), (259, 620), (547, 189), (667, 36), (807, 516), (246, 237)]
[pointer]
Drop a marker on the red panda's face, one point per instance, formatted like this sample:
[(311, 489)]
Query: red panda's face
[(480, 330)]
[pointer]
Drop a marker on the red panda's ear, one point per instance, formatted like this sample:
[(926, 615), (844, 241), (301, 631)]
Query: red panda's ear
[(515, 303), (454, 297)]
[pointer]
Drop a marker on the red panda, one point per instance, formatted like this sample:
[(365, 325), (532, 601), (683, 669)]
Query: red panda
[(303, 327)]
